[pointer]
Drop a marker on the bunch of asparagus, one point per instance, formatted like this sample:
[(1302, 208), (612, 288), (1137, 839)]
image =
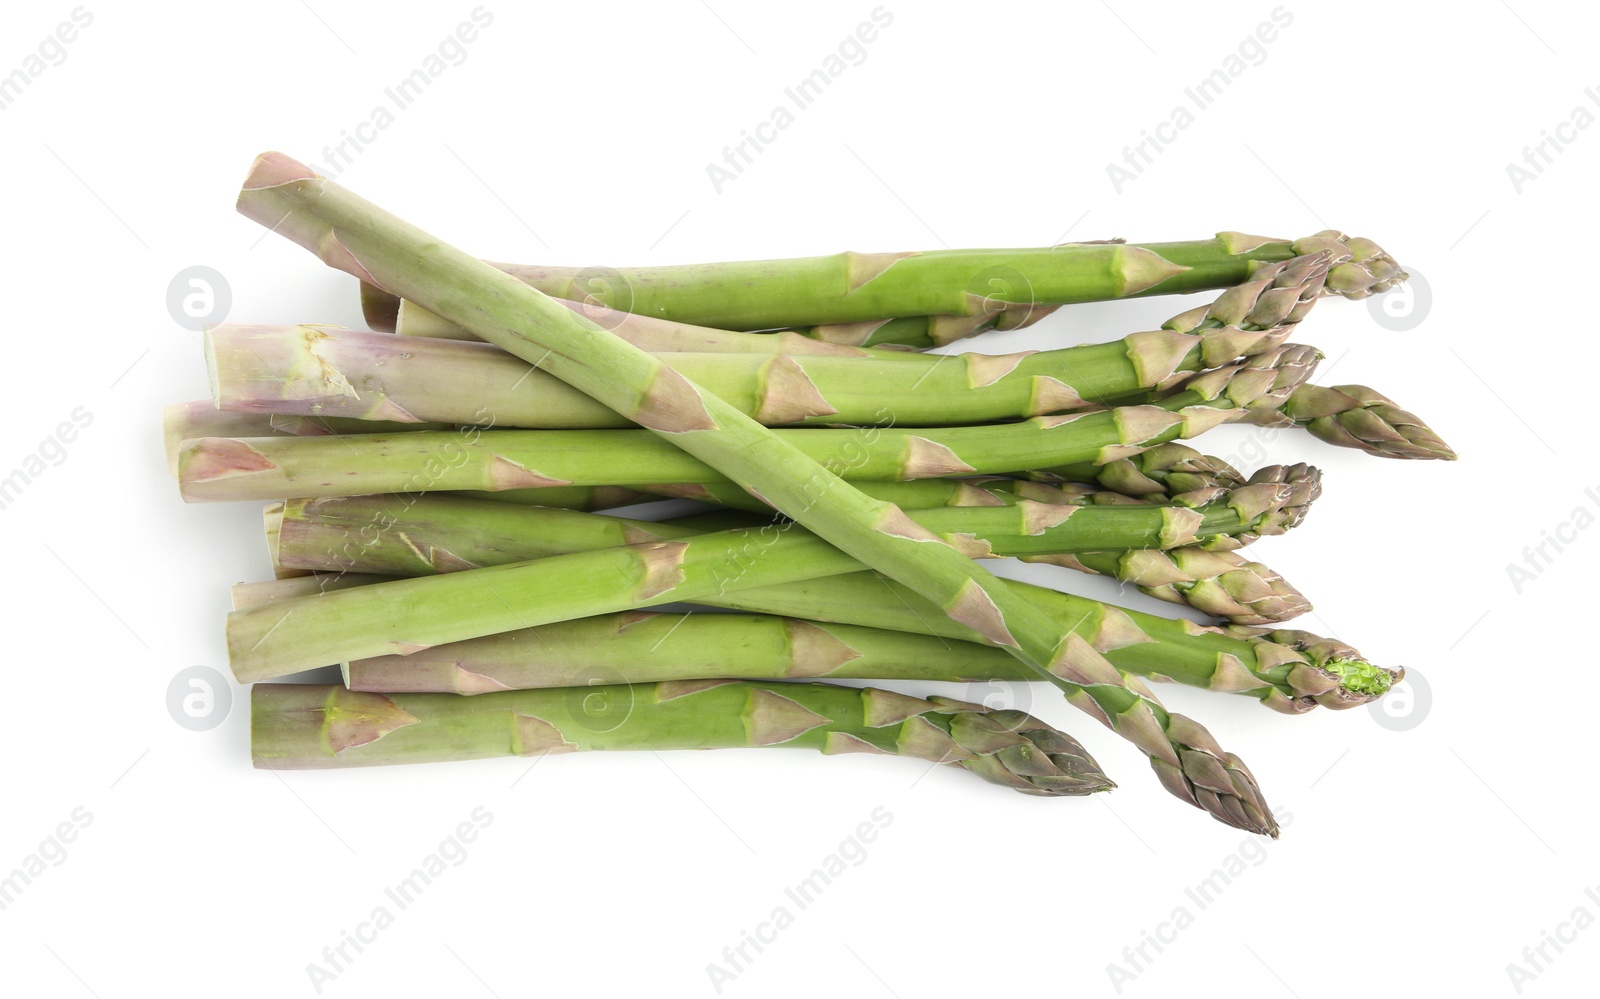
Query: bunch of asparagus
[(446, 500)]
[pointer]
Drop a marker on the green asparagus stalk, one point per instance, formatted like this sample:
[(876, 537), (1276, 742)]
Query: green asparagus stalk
[(1356, 416), (647, 647), (463, 533), (921, 494), (645, 332), (446, 533), (362, 239), (451, 535), (262, 593), (472, 458), (1206, 577), (311, 726), (313, 370), (1288, 671), (1169, 472), (853, 297), (441, 533), (193, 420), (644, 647)]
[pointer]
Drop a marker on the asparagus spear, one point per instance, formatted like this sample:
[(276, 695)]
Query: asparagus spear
[(980, 490), (449, 536), (265, 468), (1171, 471), (312, 726), (444, 533), (1208, 577), (362, 239), (192, 420), (1168, 470), (649, 647), (1356, 416), (645, 647), (645, 332), (1223, 584), (953, 293), (1287, 670), (315, 370)]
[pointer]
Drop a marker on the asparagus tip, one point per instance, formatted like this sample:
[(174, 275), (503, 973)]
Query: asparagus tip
[(1360, 266)]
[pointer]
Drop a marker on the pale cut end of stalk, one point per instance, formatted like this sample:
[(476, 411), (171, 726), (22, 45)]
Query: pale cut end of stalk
[(380, 309), (185, 421)]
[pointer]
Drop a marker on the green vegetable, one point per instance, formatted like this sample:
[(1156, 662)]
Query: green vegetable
[(857, 299), (313, 726), (472, 458), (357, 236)]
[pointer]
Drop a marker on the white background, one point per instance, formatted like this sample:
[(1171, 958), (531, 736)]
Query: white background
[(1427, 857)]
